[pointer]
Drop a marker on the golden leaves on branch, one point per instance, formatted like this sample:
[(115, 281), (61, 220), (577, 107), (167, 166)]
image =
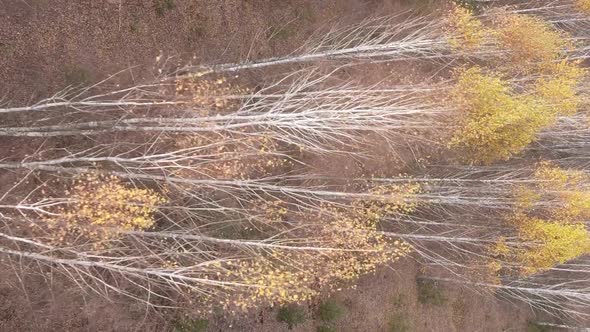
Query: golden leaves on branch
[(552, 242), (272, 211), (496, 123), (527, 41), (549, 220), (530, 41), (277, 277), (583, 6), (499, 121), (347, 244), (570, 188), (212, 95), (558, 86), (99, 207), (467, 33), (254, 155)]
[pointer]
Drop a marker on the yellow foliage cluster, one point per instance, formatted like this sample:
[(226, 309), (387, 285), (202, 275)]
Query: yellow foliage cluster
[(496, 123), (530, 40), (251, 156), (583, 6), (274, 211), (558, 86), (219, 94), (551, 243), (282, 276), (466, 32), (576, 206), (553, 177), (354, 247), (550, 235), (355, 233), (389, 200), (570, 187), (278, 277), (357, 229), (500, 248), (100, 207)]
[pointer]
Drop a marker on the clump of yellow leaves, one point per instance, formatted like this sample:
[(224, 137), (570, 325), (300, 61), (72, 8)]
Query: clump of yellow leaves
[(389, 200), (278, 277), (552, 242), (466, 31), (228, 158), (583, 6), (100, 207), (356, 230), (220, 94), (272, 211), (496, 122), (347, 244), (551, 176), (571, 188), (529, 40), (549, 220), (558, 86), (364, 247)]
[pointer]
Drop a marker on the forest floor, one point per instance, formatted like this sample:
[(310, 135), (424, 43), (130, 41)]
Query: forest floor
[(46, 45)]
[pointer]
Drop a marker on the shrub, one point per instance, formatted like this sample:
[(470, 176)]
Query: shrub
[(292, 315), (399, 323), (325, 328), (399, 300), (534, 327), (467, 4), (192, 325), (429, 292), (76, 76), (330, 311), (162, 6)]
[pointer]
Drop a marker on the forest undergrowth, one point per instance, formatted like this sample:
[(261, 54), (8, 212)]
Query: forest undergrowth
[(195, 191)]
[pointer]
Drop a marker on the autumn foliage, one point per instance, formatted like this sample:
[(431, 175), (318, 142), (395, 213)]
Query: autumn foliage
[(99, 208), (529, 41), (583, 6), (467, 33), (499, 120), (550, 235), (497, 123), (352, 247), (212, 198)]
